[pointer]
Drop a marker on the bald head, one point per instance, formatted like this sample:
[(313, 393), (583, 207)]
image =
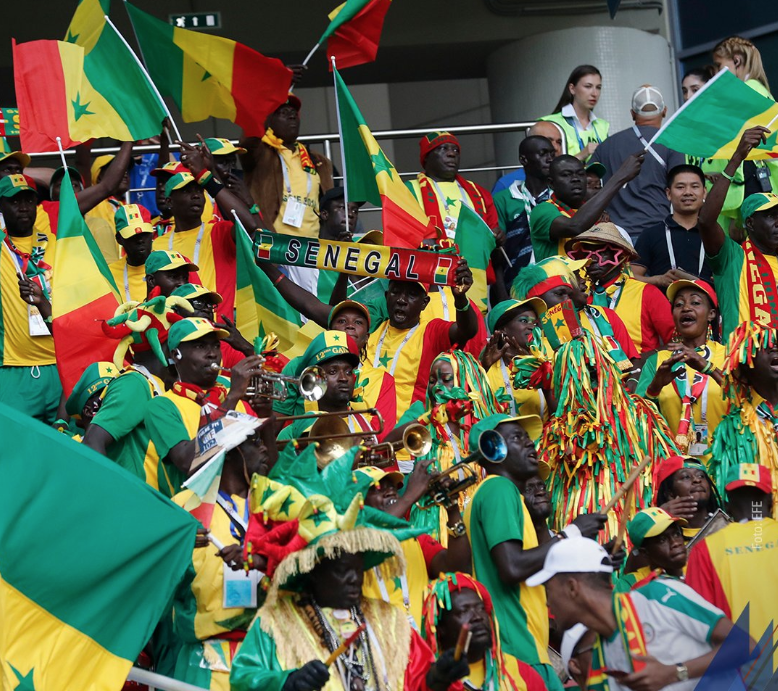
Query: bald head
[(550, 131)]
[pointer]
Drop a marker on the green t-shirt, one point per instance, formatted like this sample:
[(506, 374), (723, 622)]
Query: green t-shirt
[(540, 221), (166, 425), (496, 514)]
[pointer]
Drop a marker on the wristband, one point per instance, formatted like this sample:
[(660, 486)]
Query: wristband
[(724, 174), (254, 209), (204, 177), (709, 368), (213, 187), (463, 309), (279, 279)]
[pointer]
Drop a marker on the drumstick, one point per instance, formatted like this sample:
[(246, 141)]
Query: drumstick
[(629, 482), (623, 520), (462, 642), (343, 647)]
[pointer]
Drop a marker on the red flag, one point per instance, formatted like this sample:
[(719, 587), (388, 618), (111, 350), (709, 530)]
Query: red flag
[(355, 42)]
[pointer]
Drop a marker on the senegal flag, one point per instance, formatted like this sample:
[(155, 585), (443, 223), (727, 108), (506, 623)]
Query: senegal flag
[(260, 308), (476, 244), (84, 294), (354, 32), (89, 561), (210, 76), (88, 86), (371, 177), (710, 124)]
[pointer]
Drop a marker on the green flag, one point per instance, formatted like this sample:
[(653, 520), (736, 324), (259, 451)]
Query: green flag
[(89, 561), (476, 244)]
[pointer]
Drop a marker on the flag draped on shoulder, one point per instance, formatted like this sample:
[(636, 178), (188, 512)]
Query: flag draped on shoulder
[(210, 76), (84, 294), (355, 31), (476, 244), (114, 564), (371, 177), (711, 123), (260, 308), (85, 87)]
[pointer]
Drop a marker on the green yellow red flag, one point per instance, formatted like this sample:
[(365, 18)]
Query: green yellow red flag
[(354, 32), (211, 76), (710, 124), (84, 294), (82, 586), (260, 308), (371, 177), (476, 244)]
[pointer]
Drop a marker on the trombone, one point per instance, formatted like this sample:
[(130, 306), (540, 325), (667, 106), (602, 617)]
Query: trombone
[(331, 433), (274, 385), (445, 488), (417, 441)]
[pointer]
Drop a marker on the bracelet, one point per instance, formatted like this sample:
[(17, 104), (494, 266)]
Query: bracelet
[(213, 187), (279, 279), (463, 309), (709, 367), (653, 395), (726, 176), (254, 209), (204, 177)]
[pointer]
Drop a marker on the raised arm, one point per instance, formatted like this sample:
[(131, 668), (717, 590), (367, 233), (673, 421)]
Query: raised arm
[(710, 231), (466, 324), (299, 298), (90, 197), (591, 211)]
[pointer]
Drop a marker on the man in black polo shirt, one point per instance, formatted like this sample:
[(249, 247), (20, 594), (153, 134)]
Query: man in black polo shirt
[(672, 250)]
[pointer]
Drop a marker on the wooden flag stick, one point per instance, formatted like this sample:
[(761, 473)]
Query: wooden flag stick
[(343, 647), (623, 520), (627, 484), (463, 642)]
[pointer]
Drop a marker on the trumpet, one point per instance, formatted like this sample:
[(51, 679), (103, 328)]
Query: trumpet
[(273, 385), (416, 440), (448, 485), (331, 433)]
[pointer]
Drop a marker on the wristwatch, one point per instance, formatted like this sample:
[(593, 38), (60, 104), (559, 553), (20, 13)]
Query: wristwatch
[(457, 530), (682, 672)]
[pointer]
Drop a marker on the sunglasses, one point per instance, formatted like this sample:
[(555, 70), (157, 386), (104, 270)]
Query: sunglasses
[(614, 257)]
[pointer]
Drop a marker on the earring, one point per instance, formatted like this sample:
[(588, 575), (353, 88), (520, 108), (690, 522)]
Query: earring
[(709, 336)]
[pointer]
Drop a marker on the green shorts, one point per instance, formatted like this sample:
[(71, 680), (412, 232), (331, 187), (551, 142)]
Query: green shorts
[(35, 391)]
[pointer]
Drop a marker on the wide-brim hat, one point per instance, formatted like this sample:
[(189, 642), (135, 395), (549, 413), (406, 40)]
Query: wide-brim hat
[(601, 234)]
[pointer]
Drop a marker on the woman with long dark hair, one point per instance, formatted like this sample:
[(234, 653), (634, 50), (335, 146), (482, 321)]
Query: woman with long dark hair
[(574, 112)]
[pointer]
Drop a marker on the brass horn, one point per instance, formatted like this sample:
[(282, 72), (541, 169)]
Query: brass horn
[(273, 385), (417, 441)]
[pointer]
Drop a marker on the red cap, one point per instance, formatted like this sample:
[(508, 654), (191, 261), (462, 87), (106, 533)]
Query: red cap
[(432, 141), (682, 283), (749, 475), (672, 465)]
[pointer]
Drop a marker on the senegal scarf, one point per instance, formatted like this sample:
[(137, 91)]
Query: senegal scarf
[(630, 633), (762, 292), (209, 400), (276, 143), (429, 199), (31, 265)]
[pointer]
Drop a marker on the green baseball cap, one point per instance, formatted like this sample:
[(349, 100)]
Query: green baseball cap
[(132, 219), (761, 201), (650, 523), (192, 291), (328, 345), (502, 308), (531, 424), (177, 181), (94, 379), (162, 260), (11, 185), (222, 147), (190, 329)]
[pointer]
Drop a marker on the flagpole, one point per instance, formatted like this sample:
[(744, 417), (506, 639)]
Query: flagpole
[(143, 69), (61, 152), (310, 55), (342, 147)]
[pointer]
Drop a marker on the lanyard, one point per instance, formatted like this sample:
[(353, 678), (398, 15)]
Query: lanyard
[(380, 345), (703, 396), (198, 242), (444, 199), (285, 173), (572, 121), (671, 252), (140, 369), (454, 447), (238, 525), (21, 266), (444, 301), (126, 283), (385, 593), (611, 301), (508, 388), (648, 147)]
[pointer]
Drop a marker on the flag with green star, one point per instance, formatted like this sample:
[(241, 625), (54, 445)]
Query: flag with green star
[(710, 124), (91, 557), (560, 324), (371, 177), (87, 86), (476, 244)]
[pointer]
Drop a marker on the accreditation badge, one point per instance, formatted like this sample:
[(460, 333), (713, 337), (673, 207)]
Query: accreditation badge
[(36, 323), (294, 212)]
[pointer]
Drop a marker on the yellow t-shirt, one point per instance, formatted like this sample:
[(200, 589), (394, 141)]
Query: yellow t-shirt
[(101, 223), (450, 196), (130, 280), (302, 186), (477, 675), (17, 347), (525, 401), (378, 585)]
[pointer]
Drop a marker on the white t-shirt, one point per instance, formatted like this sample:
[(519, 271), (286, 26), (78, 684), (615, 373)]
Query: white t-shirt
[(677, 624)]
